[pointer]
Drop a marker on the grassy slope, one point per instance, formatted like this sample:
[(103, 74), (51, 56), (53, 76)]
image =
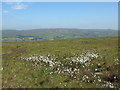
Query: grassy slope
[(18, 73)]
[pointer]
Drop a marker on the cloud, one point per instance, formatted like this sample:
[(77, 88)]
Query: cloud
[(5, 11), (19, 6), (13, 6)]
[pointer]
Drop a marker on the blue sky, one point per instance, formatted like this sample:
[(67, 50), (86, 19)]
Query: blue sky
[(83, 15)]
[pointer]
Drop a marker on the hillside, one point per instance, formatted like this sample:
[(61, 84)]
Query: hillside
[(69, 63), (54, 34)]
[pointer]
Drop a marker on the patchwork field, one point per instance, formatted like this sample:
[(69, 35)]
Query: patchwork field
[(69, 63)]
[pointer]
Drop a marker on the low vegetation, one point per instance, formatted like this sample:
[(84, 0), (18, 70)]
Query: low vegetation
[(68, 63)]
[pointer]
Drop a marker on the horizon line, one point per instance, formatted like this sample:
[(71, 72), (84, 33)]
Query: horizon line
[(60, 28)]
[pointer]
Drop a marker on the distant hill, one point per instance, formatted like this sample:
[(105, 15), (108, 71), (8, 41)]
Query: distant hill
[(55, 34)]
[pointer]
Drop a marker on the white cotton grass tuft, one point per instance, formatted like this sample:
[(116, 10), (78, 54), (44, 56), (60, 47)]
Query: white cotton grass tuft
[(43, 59), (1, 69), (71, 65), (83, 58), (51, 61)]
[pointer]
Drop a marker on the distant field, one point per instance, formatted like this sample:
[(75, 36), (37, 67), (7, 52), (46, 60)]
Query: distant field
[(55, 34), (68, 63)]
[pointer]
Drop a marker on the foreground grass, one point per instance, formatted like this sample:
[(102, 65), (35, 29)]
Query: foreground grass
[(27, 74)]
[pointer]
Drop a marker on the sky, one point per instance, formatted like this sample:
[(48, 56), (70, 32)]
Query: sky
[(82, 15)]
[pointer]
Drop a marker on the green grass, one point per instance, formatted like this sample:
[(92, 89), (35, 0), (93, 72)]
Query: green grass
[(26, 74)]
